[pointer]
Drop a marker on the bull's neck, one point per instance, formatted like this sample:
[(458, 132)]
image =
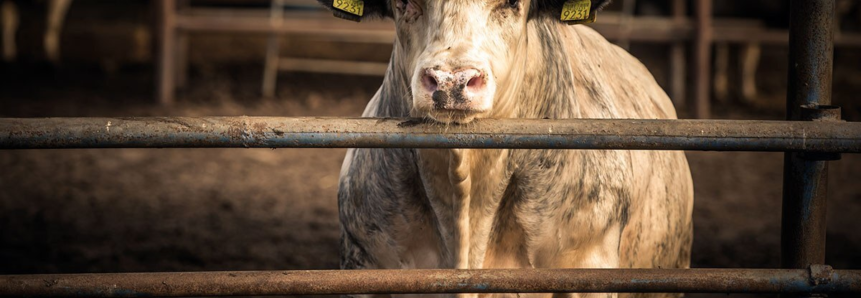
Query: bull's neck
[(464, 186), (548, 90), (394, 98)]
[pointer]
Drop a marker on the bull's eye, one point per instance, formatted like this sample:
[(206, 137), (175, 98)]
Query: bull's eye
[(514, 3)]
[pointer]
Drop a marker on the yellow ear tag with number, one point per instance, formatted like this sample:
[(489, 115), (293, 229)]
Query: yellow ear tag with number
[(355, 7), (578, 12)]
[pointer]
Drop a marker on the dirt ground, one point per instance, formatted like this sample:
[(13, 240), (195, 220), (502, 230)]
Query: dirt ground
[(133, 210)]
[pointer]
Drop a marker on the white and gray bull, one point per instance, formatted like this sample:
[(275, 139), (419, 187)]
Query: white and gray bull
[(455, 62)]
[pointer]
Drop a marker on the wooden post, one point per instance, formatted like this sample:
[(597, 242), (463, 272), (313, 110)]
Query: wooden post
[(625, 23), (165, 71), (181, 50), (720, 76), (677, 59), (702, 63), (273, 50)]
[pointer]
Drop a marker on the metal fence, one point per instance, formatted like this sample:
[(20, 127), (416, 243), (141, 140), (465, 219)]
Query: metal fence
[(812, 135)]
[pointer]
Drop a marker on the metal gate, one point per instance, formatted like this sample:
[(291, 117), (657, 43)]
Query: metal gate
[(811, 137)]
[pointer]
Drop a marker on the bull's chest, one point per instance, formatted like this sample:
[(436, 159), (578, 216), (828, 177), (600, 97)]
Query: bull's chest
[(464, 188), (495, 209)]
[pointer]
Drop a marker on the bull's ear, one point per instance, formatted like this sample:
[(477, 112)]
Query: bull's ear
[(358, 10), (569, 11)]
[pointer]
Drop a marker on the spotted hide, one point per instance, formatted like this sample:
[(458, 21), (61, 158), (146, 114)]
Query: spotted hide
[(456, 62)]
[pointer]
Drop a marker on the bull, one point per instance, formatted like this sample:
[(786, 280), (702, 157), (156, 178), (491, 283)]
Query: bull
[(456, 62)]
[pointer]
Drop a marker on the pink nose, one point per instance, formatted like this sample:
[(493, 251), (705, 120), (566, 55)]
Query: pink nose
[(453, 90)]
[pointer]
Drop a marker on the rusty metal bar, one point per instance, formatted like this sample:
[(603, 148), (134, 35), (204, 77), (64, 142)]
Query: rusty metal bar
[(268, 132), (811, 55), (344, 282), (805, 180)]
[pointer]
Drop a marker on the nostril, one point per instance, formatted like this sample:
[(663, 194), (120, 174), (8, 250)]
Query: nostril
[(475, 84), (430, 82)]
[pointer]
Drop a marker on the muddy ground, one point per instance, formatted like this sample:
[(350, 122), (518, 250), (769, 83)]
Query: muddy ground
[(133, 210)]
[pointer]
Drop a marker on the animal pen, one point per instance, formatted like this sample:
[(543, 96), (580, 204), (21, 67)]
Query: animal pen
[(812, 135)]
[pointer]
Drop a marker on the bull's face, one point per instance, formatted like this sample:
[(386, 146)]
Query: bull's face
[(458, 52), (461, 56)]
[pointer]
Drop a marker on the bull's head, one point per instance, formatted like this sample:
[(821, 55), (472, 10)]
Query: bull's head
[(460, 56)]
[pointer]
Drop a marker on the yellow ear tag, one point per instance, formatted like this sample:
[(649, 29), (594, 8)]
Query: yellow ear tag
[(355, 7), (578, 12)]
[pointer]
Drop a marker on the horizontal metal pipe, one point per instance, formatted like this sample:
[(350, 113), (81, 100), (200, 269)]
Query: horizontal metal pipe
[(433, 281), (268, 132)]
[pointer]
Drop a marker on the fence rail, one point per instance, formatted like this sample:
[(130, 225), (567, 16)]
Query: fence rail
[(803, 215), (818, 279), (263, 132)]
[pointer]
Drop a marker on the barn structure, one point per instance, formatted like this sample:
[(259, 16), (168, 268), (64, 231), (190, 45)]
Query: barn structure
[(811, 136)]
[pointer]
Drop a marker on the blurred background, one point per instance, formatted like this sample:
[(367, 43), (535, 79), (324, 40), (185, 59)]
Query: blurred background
[(132, 210)]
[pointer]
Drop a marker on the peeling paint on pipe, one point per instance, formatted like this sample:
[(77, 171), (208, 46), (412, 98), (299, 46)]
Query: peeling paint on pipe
[(269, 132)]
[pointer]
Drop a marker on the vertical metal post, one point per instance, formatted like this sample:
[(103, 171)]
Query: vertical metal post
[(165, 72), (702, 61), (677, 58), (805, 179)]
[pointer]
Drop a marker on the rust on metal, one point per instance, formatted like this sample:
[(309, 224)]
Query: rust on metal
[(820, 113), (805, 176), (271, 132), (337, 282), (820, 274), (817, 112)]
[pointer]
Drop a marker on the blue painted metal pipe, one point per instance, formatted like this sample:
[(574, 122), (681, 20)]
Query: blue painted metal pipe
[(268, 132)]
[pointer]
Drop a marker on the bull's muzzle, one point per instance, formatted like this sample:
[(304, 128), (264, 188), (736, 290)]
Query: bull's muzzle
[(462, 90)]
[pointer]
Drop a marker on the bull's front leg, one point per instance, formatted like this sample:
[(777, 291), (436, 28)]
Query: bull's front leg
[(57, 10), (460, 179), (601, 254), (10, 26), (750, 55)]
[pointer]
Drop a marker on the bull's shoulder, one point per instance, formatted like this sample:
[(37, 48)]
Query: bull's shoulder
[(615, 79), (380, 199)]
